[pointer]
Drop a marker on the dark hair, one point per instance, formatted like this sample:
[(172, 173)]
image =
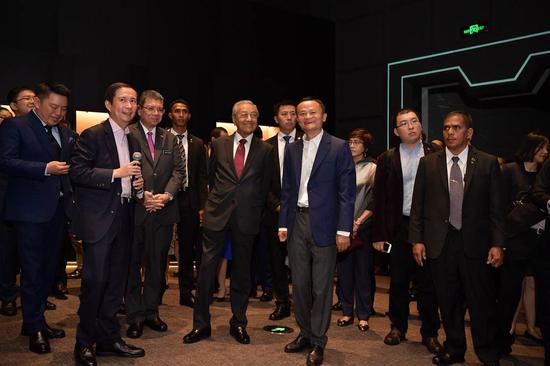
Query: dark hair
[(281, 103), (530, 145), (14, 93), (43, 90), (403, 111), (313, 99), (217, 132), (150, 94), (111, 90), (182, 101), (466, 117), (363, 135)]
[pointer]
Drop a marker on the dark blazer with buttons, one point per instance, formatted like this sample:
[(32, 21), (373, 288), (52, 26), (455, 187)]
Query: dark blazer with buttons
[(388, 194), (243, 197), (271, 216), (96, 198), (25, 150), (163, 174), (197, 179), (482, 206)]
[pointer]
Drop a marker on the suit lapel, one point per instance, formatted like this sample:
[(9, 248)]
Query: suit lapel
[(298, 161), (228, 147), (442, 167), (41, 134), (251, 155), (159, 145), (322, 151), (471, 165)]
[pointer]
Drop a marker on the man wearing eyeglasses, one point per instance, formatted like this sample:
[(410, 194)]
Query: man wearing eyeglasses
[(393, 188), (163, 172), (21, 100), (240, 174)]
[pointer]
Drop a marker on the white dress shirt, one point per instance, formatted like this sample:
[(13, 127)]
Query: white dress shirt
[(462, 163), (281, 147), (236, 140), (123, 151)]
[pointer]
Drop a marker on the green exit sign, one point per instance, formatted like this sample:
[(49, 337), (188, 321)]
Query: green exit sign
[(474, 29)]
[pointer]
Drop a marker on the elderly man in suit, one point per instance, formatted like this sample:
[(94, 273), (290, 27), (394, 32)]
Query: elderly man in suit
[(34, 150), (102, 171), (240, 173), (163, 172), (393, 189), (456, 226), (191, 198), (285, 118), (317, 203)]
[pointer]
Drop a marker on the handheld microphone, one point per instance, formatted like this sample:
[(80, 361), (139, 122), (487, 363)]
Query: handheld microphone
[(137, 157)]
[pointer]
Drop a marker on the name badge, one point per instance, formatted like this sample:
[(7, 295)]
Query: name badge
[(167, 152)]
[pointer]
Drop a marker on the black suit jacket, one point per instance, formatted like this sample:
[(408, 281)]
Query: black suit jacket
[(388, 194), (96, 198), (271, 216), (245, 196), (197, 179), (482, 206), (164, 174)]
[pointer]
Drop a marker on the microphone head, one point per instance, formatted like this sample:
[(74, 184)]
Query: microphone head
[(136, 156)]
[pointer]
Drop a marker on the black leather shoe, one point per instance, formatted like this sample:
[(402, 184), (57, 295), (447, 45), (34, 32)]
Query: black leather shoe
[(135, 330), (60, 291), (281, 311), (300, 344), (445, 359), (315, 357), (49, 332), (156, 324), (187, 300), (240, 334), (394, 337), (50, 305), (336, 307), (74, 275), (84, 355), (122, 309), (267, 296), (121, 349), (433, 345), (197, 335), (8, 308), (345, 322), (38, 343)]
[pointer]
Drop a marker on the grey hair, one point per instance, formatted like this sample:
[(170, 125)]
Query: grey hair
[(234, 110)]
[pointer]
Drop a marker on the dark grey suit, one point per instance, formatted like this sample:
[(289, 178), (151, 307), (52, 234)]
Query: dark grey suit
[(457, 258), (234, 204), (153, 231)]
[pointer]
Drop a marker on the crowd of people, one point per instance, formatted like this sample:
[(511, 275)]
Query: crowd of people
[(446, 213)]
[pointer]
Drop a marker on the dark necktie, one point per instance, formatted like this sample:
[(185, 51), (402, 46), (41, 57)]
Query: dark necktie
[(239, 158), (151, 144), (456, 193), (183, 156), (55, 145), (287, 141)]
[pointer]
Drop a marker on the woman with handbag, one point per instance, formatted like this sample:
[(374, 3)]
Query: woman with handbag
[(355, 266)]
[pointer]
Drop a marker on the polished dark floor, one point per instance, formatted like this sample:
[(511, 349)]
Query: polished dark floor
[(346, 346)]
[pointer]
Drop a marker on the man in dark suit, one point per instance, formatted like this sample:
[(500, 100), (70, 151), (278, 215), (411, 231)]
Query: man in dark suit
[(285, 118), (456, 222), (34, 150), (101, 171), (191, 197), (317, 203), (393, 188), (240, 174), (163, 172), (21, 100), (541, 197)]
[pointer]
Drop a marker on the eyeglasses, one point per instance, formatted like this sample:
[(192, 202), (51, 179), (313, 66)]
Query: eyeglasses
[(355, 142), (28, 98), (244, 115), (410, 122), (153, 109)]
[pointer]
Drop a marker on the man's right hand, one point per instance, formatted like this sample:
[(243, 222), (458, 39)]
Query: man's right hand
[(378, 245), (57, 168), (419, 253), (282, 236), (131, 169)]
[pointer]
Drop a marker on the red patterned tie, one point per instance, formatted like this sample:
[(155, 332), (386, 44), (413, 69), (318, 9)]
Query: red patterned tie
[(239, 158)]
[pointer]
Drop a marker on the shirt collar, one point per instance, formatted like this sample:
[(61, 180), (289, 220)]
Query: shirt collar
[(282, 135), (316, 140), (177, 134), (239, 138), (463, 156), (414, 151), (145, 130), (116, 128)]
